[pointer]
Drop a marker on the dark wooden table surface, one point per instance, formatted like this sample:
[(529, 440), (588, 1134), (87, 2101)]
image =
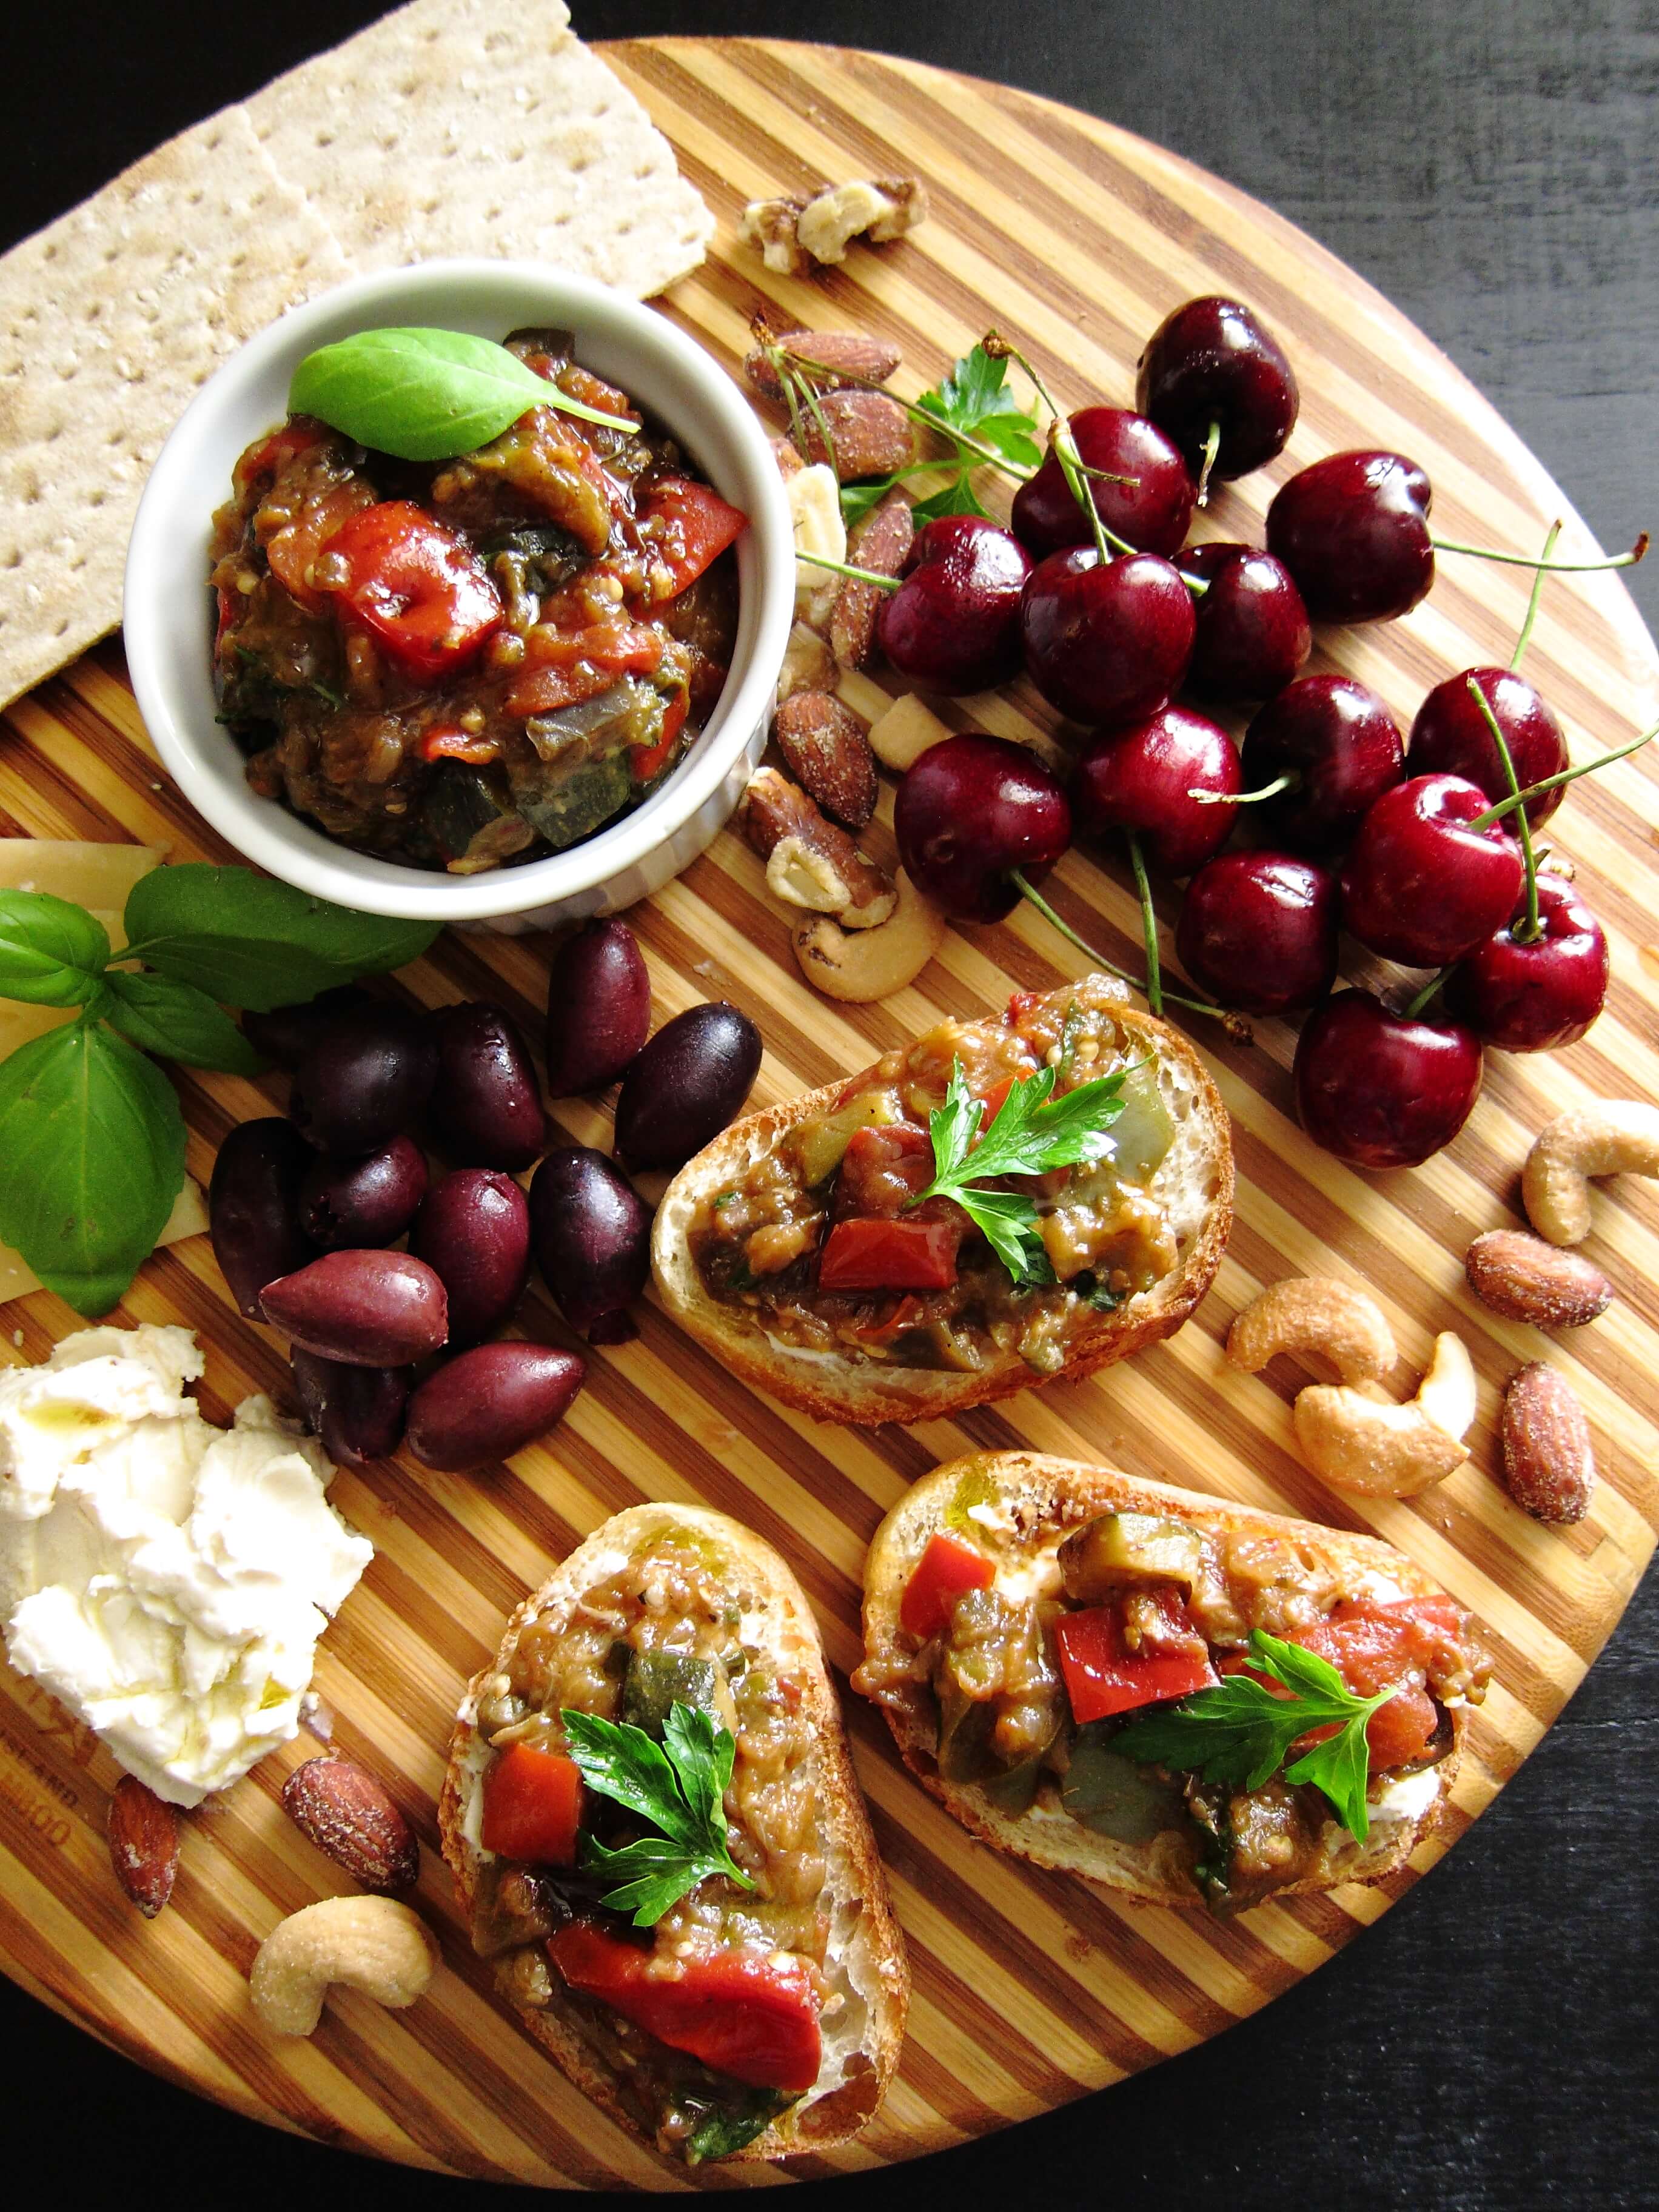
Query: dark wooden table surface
[(1494, 168)]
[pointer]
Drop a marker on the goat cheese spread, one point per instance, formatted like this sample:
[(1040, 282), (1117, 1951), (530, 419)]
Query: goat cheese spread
[(165, 1580)]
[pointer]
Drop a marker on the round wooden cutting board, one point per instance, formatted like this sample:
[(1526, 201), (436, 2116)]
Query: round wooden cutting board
[(1030, 1988)]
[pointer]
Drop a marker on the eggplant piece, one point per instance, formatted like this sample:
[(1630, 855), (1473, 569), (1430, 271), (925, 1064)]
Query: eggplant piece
[(1118, 1551), (1115, 1795), (657, 1682), (578, 804), (964, 1739), (470, 816)]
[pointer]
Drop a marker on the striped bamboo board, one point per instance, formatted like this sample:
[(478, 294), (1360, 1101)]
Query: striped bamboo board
[(1030, 1989)]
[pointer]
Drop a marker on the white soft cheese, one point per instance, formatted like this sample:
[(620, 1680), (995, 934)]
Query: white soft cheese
[(165, 1580)]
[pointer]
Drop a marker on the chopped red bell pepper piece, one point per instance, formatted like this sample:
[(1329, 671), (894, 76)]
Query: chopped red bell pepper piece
[(689, 527), (416, 588), (579, 664), (268, 457), (1374, 1644), (1103, 1676), (946, 1570), (444, 741), (741, 2012), (648, 761), (890, 1255), (533, 1803), (291, 550)]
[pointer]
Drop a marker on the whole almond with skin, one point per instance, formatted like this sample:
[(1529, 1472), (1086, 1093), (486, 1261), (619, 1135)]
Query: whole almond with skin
[(879, 544), (351, 1817), (825, 357), (1549, 1463), (824, 743), (143, 1844), (869, 434), (1524, 1279)]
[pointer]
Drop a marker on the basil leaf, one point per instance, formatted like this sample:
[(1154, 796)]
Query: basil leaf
[(424, 395), (52, 953), (92, 1156), (180, 1023), (249, 941)]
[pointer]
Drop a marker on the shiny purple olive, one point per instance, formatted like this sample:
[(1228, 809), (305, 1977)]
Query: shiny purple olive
[(1341, 749), (364, 1202), (1253, 632), (286, 1034), (1144, 779), (592, 1232), (1353, 530), (1211, 361), (253, 1208), (952, 626), (599, 1008), (356, 1412), (687, 1084), (365, 1309), (365, 1081), (486, 1404), (1149, 509), (969, 810), (486, 1104), (1450, 737), (1106, 640), (1258, 931), (474, 1232)]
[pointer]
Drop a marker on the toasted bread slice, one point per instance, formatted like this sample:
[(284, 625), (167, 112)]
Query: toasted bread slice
[(1193, 1185), (865, 1964), (1030, 1502)]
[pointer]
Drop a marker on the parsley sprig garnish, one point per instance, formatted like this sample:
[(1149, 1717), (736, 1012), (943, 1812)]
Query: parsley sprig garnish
[(972, 407), (679, 1785), (1032, 1132), (1241, 1732)]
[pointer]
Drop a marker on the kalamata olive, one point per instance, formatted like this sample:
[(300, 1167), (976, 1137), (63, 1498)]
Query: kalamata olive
[(474, 1231), (599, 1008), (356, 1411), (688, 1083), (487, 1104), (364, 1309), (593, 1238), (363, 1081), (490, 1402), (363, 1202), (253, 1208), (286, 1034)]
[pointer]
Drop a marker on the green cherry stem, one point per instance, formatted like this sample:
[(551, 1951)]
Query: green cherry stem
[(1567, 775), (1291, 780), (1235, 1024), (1148, 927), (1525, 638), (1212, 447), (1529, 931), (846, 568), (1415, 1007), (1553, 568)]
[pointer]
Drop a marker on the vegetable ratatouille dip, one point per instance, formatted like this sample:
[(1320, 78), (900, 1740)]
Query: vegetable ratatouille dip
[(466, 663)]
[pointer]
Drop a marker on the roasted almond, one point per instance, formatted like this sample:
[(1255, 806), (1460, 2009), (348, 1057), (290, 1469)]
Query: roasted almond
[(828, 358), (825, 744), (1549, 1463), (789, 462), (1524, 1279), (879, 544), (869, 434), (143, 1844), (350, 1816)]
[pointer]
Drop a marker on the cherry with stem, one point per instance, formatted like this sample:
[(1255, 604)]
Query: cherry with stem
[(1527, 932), (1236, 1026), (1503, 807)]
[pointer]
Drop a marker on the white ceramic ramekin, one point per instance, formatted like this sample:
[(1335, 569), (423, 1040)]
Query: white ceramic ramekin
[(168, 619)]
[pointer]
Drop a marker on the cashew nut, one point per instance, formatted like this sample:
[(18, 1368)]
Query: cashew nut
[(811, 861), (1315, 1313), (1617, 1136), (368, 1943), (814, 497), (1353, 1437), (874, 963)]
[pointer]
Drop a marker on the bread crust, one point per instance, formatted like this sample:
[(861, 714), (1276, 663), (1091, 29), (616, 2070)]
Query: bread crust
[(874, 1955), (1049, 1490), (831, 1389)]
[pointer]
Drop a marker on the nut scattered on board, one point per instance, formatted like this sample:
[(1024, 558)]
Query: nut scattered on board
[(143, 1844), (815, 510), (1357, 1440), (349, 1814), (903, 732), (827, 357), (879, 544), (860, 434), (1315, 1314), (1523, 1278), (808, 664), (1549, 1464), (368, 1943), (796, 231), (789, 461), (868, 964), (824, 743), (1615, 1136), (811, 861)]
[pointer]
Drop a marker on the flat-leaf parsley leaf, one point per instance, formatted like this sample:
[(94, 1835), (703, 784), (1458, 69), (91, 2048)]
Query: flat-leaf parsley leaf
[(678, 1785)]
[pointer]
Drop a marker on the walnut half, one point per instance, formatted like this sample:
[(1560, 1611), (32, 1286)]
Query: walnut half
[(794, 231)]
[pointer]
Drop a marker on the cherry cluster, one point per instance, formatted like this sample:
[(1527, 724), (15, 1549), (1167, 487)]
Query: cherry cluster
[(1420, 846)]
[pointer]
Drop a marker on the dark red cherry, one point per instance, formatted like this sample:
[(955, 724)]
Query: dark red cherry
[(1212, 361), (1532, 998), (1340, 744), (1258, 931), (1380, 1089), (1353, 530), (1450, 737), (953, 624), (1142, 780), (1253, 630), (1419, 885), (1151, 513), (1106, 640), (970, 811)]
